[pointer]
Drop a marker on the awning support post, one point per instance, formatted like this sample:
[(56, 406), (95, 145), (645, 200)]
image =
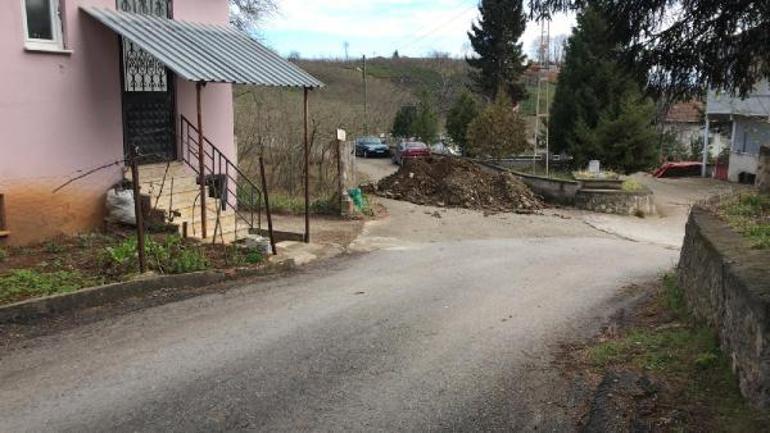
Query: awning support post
[(201, 165), (307, 167)]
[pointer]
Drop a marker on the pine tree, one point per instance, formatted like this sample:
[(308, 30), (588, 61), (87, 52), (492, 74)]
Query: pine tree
[(499, 63), (425, 125), (462, 113), (402, 124), (598, 110), (687, 43)]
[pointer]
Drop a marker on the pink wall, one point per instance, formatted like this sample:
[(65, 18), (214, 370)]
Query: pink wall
[(60, 113)]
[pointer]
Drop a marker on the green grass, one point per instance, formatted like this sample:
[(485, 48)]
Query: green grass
[(687, 355), (296, 205), (749, 214), (26, 283)]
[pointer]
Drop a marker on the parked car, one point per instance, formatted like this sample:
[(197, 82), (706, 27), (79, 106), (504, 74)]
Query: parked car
[(410, 150), (371, 146), (442, 148)]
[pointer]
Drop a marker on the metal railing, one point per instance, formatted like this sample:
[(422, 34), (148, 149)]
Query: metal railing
[(224, 180)]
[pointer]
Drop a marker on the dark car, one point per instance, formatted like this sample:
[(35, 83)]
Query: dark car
[(410, 150), (371, 146)]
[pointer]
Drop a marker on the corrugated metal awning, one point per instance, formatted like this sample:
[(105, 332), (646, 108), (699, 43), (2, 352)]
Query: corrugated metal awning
[(204, 52)]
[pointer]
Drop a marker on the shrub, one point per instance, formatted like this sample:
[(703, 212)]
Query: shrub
[(498, 131)]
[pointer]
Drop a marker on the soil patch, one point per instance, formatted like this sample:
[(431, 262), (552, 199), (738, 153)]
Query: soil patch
[(69, 263), (454, 182)]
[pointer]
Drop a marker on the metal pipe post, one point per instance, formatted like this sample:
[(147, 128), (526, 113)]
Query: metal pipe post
[(307, 168), (201, 165)]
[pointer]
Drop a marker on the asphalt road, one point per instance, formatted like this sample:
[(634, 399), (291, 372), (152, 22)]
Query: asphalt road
[(416, 335)]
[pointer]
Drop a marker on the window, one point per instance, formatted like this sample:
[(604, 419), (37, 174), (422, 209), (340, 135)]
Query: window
[(42, 25)]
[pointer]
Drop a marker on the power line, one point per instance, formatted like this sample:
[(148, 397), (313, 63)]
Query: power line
[(413, 40)]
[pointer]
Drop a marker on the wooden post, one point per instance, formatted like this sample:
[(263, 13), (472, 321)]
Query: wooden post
[(340, 177), (267, 205), (201, 165), (138, 211), (763, 170), (307, 168), (366, 101)]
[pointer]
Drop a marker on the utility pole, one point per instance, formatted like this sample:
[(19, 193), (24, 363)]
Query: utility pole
[(543, 90), (366, 101)]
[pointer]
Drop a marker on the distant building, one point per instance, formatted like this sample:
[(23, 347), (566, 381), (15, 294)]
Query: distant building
[(749, 122), (685, 121)]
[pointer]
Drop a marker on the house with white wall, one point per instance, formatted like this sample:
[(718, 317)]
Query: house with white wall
[(86, 82), (749, 121)]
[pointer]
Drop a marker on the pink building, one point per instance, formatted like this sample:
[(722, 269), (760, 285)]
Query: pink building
[(79, 87)]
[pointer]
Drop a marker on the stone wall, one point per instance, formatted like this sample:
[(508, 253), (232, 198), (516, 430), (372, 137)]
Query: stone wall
[(574, 193), (552, 190), (727, 284), (639, 203)]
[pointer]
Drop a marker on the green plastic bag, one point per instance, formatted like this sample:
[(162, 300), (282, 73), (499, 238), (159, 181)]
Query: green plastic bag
[(357, 196)]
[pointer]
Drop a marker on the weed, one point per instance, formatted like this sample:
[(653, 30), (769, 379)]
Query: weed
[(169, 255), (673, 296), (53, 247), (253, 257), (632, 185), (188, 260), (3, 255), (24, 283), (749, 214)]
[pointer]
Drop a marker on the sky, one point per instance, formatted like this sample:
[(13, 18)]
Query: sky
[(320, 28)]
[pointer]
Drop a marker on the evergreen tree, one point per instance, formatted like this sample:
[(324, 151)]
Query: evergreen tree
[(500, 60), (425, 125), (596, 97), (462, 113), (687, 43), (498, 132), (402, 124)]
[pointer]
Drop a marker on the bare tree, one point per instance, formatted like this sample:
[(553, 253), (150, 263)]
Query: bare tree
[(245, 14), (558, 48)]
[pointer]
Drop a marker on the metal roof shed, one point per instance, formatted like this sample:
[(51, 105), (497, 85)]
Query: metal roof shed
[(205, 53)]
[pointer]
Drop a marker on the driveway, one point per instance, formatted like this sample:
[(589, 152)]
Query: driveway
[(439, 320)]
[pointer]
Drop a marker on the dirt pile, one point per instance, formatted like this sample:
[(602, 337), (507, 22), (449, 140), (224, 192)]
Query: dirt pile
[(456, 182)]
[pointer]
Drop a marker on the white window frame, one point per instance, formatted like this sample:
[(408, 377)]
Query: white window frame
[(57, 43)]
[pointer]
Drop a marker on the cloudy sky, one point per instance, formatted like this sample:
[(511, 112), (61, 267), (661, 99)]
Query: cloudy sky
[(320, 28)]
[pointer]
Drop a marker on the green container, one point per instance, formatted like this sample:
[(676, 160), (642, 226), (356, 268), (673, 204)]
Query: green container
[(357, 196)]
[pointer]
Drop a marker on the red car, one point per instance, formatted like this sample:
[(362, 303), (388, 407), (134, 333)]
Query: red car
[(410, 150)]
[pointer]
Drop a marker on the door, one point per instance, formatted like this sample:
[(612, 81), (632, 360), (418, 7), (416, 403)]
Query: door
[(148, 93)]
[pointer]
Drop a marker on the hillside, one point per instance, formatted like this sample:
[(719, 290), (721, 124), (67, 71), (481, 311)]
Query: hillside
[(391, 84)]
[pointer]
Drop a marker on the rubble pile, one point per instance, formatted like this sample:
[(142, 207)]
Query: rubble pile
[(453, 182)]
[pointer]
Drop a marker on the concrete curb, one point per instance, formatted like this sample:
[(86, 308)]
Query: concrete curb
[(102, 295)]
